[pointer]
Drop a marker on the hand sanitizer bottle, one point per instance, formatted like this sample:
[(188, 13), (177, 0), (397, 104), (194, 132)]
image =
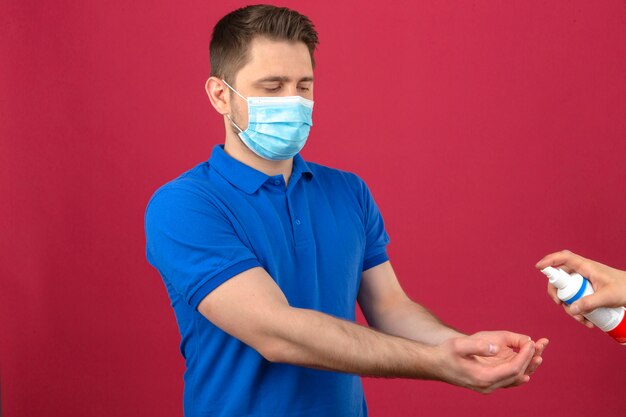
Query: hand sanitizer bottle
[(572, 287)]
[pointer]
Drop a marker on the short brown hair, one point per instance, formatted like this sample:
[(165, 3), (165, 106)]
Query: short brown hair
[(234, 32)]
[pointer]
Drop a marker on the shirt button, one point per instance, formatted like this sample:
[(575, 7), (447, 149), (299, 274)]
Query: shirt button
[(298, 221), (276, 182)]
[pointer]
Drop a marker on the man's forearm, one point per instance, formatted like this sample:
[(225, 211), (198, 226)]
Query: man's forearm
[(313, 339), (410, 320), (388, 309)]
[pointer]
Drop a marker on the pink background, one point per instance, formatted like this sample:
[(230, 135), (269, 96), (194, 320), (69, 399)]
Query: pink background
[(490, 134)]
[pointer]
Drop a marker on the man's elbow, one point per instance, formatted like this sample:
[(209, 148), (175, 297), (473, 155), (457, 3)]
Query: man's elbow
[(276, 350)]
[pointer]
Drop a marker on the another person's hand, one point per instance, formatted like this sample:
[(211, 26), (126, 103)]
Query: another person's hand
[(608, 283), (486, 361)]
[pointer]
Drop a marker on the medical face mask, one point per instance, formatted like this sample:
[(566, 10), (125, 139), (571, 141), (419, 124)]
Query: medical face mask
[(278, 127)]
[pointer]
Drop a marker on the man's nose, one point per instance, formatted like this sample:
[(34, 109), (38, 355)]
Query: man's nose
[(291, 89)]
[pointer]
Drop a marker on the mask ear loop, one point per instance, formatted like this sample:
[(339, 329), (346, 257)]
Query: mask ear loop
[(236, 92), (234, 124)]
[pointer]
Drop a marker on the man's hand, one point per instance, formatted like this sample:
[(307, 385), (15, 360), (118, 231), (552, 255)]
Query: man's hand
[(487, 361), (608, 283)]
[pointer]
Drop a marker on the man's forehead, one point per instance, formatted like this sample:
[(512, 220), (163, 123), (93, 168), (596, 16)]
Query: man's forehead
[(283, 79), (278, 59)]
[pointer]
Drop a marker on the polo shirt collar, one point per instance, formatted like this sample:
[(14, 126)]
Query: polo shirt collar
[(245, 177), (300, 168)]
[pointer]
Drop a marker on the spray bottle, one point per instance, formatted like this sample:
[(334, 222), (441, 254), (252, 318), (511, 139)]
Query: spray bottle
[(572, 287)]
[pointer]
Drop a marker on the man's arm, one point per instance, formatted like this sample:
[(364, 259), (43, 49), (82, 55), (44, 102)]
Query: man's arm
[(251, 307), (387, 308)]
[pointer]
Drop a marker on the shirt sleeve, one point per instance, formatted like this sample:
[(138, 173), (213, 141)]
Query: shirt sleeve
[(192, 243), (376, 237)]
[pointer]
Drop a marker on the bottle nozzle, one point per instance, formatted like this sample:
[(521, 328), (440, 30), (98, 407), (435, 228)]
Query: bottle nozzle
[(549, 271), (556, 276)]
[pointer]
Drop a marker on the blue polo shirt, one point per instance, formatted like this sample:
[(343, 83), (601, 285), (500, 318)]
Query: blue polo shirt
[(314, 238)]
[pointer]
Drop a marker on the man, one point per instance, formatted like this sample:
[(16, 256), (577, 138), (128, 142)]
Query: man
[(264, 255)]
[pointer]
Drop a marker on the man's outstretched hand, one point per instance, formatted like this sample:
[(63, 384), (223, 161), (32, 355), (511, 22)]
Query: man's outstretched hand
[(486, 361)]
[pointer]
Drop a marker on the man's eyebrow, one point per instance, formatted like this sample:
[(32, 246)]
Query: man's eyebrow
[(278, 78)]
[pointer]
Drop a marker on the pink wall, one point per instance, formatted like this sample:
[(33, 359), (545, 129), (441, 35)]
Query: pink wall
[(489, 132)]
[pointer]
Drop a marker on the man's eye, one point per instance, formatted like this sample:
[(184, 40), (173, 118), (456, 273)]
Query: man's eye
[(304, 88), (272, 90)]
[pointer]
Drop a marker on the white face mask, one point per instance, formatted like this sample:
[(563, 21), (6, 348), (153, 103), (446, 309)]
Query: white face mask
[(278, 127)]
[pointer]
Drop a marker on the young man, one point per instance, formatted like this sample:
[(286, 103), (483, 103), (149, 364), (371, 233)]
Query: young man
[(264, 255)]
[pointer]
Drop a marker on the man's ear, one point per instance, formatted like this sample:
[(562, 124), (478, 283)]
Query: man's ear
[(218, 94)]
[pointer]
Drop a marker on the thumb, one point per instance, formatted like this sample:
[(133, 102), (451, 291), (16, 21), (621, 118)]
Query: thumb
[(587, 304), (478, 347)]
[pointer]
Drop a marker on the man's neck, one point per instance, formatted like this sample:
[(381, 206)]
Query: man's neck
[(235, 148)]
